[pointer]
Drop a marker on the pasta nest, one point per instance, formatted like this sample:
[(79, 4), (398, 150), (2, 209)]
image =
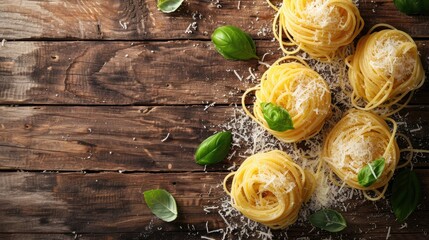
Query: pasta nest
[(357, 139), (270, 188), (384, 68), (319, 27), (300, 90)]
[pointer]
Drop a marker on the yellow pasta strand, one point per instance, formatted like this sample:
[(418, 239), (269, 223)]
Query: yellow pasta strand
[(384, 68), (357, 139), (270, 188), (294, 86), (319, 27)]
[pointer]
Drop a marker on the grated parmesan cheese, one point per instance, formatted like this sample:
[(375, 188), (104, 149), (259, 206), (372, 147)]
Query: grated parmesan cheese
[(123, 24), (208, 238), (390, 62), (191, 28), (321, 13), (166, 137), (388, 233)]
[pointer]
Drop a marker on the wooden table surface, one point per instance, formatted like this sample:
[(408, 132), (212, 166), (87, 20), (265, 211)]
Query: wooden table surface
[(89, 88)]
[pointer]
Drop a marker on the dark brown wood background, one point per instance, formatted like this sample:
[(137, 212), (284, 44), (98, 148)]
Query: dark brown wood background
[(85, 103)]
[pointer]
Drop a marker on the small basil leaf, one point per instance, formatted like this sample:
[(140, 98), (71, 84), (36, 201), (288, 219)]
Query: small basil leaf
[(168, 6), (161, 203), (278, 118), (329, 220), (214, 149), (371, 172), (406, 194), (233, 43)]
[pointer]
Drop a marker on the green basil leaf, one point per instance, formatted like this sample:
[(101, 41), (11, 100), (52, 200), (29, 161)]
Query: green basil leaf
[(412, 7), (161, 203), (168, 6), (406, 194), (371, 172), (214, 149), (329, 220), (233, 43), (278, 118)]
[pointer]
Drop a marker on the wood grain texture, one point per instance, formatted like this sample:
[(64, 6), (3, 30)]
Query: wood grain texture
[(111, 204), (74, 117), (128, 138), (140, 19), (175, 72), (182, 236)]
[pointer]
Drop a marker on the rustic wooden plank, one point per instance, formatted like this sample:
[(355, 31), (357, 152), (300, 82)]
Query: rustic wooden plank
[(176, 72), (176, 235), (137, 20), (111, 203), (129, 138), (36, 236)]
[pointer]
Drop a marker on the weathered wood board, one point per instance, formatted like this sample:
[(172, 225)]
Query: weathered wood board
[(127, 138), (106, 73), (89, 88), (140, 19), (76, 203)]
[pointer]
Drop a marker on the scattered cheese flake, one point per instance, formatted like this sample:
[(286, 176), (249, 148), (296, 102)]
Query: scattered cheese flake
[(208, 238), (191, 28), (232, 167), (209, 105), (212, 231), (238, 75), (405, 225), (123, 24), (388, 233), (166, 137), (419, 128)]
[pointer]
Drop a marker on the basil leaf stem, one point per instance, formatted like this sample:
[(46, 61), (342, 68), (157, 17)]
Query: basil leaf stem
[(233, 43), (278, 118)]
